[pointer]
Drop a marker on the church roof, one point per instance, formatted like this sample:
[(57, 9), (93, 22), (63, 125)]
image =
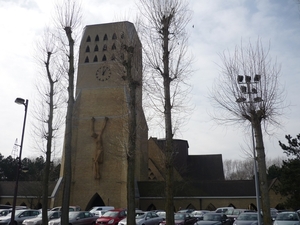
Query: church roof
[(209, 189)]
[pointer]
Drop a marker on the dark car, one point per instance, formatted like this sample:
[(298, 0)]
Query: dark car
[(182, 219), (112, 217), (214, 219), (232, 214), (247, 218)]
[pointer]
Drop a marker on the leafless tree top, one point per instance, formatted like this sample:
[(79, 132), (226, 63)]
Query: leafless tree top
[(163, 30), (266, 101)]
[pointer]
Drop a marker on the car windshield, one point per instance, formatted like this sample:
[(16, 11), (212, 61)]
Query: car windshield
[(140, 215), (287, 216), (212, 217), (246, 216), (111, 214)]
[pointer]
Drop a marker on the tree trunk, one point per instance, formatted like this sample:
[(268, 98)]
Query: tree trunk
[(68, 133), (49, 145), (132, 135), (168, 125), (261, 161)]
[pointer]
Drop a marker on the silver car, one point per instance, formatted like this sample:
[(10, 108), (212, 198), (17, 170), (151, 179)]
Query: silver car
[(247, 218), (144, 217), (39, 219), (287, 218), (20, 216), (77, 218), (4, 212)]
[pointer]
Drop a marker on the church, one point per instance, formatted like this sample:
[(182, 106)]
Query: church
[(100, 136)]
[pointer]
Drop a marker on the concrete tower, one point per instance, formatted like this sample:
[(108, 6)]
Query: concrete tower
[(100, 132)]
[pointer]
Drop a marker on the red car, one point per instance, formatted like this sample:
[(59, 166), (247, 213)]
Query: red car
[(112, 217)]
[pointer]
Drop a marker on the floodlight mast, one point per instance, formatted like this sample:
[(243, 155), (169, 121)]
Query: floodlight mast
[(248, 99)]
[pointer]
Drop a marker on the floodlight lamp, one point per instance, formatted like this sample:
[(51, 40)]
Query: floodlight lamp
[(257, 78), (25, 169), (240, 78), (258, 99), (243, 89), (254, 91), (248, 79), (241, 99), (20, 101)]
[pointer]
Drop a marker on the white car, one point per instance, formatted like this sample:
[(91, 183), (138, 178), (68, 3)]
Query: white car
[(144, 217), (39, 219), (100, 210), (20, 216), (77, 218)]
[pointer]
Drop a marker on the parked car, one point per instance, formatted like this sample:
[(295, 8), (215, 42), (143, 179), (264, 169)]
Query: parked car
[(287, 218), (144, 218), (247, 218), (274, 213), (223, 209), (4, 212), (161, 214), (182, 219), (100, 210), (71, 208), (214, 218), (112, 217), (20, 216), (38, 220), (77, 218), (232, 214), (199, 213)]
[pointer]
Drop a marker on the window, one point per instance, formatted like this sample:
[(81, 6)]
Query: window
[(97, 38), (86, 60), (96, 49), (87, 49), (105, 37), (114, 36), (113, 47), (88, 39), (104, 47), (95, 59), (104, 58)]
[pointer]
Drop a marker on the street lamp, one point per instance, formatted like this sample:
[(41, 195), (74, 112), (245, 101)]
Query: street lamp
[(249, 96), (20, 101)]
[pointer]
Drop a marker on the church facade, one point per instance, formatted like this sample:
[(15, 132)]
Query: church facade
[(100, 141)]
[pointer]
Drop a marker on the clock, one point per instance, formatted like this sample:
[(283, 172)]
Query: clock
[(103, 73)]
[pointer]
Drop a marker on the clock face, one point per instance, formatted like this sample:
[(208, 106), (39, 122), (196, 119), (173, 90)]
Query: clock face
[(103, 73)]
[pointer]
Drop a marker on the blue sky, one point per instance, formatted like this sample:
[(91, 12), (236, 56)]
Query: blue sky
[(218, 25)]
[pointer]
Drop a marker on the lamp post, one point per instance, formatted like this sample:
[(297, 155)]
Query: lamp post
[(20, 101), (249, 96)]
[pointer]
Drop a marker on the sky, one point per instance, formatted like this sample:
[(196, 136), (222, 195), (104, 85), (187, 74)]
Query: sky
[(216, 26)]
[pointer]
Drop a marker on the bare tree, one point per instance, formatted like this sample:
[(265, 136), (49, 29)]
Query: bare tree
[(165, 48), (48, 107), (68, 19), (258, 100)]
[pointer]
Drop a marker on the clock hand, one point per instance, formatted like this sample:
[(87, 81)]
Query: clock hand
[(103, 72)]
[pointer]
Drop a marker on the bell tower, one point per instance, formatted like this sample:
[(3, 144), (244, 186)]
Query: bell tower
[(100, 130)]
